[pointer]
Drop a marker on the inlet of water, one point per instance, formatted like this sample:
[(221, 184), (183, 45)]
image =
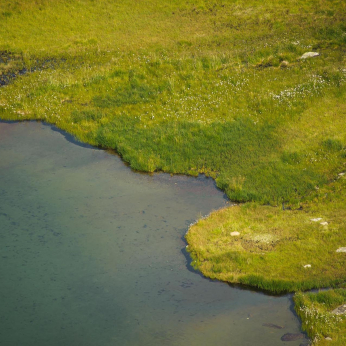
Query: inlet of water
[(93, 254)]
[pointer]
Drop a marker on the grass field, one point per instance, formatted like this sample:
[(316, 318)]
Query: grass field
[(213, 87)]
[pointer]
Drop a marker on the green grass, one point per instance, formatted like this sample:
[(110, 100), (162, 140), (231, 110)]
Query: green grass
[(315, 309), (173, 114)]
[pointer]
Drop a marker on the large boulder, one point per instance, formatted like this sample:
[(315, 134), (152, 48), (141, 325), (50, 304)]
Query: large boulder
[(340, 310)]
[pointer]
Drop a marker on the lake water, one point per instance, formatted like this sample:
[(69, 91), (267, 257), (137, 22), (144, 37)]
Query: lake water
[(93, 254)]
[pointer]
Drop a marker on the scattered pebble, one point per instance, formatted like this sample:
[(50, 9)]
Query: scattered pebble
[(341, 174), (307, 266), (325, 223), (317, 219), (234, 234), (309, 55), (328, 338), (341, 249)]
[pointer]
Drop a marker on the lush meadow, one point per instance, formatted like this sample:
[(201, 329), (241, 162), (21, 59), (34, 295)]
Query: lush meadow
[(213, 87)]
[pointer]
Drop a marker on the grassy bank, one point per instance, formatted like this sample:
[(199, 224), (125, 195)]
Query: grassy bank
[(188, 87), (322, 326)]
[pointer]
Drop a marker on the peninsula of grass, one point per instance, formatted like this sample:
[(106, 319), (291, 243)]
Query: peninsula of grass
[(274, 249), (216, 87)]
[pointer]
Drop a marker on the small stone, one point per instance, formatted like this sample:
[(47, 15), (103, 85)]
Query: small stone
[(328, 338), (284, 64), (307, 266), (325, 223), (234, 234), (316, 219), (341, 174), (309, 55), (341, 249), (340, 310)]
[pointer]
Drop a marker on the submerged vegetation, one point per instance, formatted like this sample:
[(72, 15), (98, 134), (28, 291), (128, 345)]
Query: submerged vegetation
[(216, 87)]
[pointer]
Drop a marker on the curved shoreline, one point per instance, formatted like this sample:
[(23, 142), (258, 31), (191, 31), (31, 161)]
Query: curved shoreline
[(252, 95)]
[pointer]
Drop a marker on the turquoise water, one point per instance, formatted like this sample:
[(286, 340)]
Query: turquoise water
[(93, 254)]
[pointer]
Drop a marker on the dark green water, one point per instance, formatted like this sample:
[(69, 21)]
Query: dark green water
[(93, 254)]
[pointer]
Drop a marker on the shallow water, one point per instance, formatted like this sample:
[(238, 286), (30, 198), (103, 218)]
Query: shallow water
[(93, 254)]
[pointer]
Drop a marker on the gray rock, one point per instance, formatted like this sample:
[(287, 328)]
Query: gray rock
[(309, 55), (340, 310), (234, 234), (341, 249)]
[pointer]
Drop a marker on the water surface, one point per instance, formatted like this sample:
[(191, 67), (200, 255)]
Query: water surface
[(93, 254)]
